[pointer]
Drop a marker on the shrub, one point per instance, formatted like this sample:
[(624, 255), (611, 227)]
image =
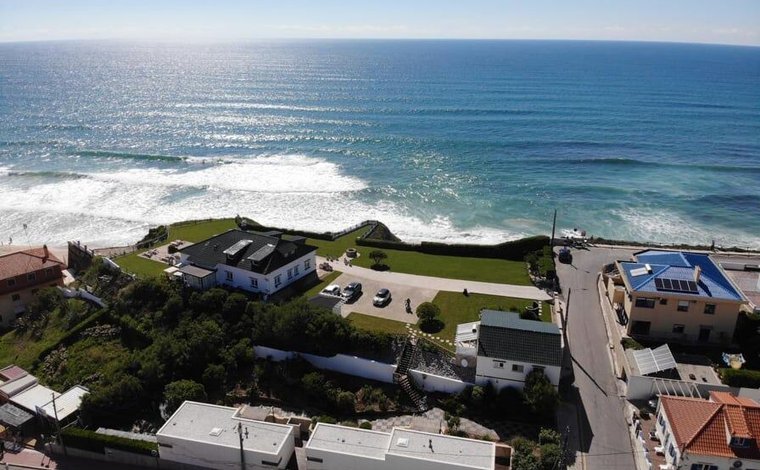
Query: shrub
[(540, 394), (325, 419), (365, 425), (741, 378), (549, 436), (428, 314), (630, 343), (94, 442)]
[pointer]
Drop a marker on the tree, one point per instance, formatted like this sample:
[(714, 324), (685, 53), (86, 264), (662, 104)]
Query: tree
[(378, 256), (540, 395), (115, 403), (179, 391), (550, 456), (214, 378), (428, 314), (549, 436), (523, 457)]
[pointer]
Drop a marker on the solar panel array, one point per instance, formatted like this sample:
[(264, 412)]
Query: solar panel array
[(676, 285)]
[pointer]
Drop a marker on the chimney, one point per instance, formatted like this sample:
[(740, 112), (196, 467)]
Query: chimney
[(45, 256), (697, 273)]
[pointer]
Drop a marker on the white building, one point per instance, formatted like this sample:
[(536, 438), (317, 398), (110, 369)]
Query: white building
[(506, 348), (333, 447), (211, 436), (716, 434), (256, 262)]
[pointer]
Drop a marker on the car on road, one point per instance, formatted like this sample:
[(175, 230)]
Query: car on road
[(332, 290), (352, 291), (565, 256), (382, 298)]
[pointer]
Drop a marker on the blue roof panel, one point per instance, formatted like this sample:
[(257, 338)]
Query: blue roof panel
[(713, 283)]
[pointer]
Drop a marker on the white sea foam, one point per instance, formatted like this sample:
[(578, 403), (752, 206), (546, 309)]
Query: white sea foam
[(288, 191)]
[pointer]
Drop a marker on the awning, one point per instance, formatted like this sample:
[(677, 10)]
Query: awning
[(650, 361), (195, 271)]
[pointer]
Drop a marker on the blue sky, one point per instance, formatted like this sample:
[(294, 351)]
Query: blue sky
[(713, 21)]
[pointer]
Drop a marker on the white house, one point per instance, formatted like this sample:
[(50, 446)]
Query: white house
[(507, 348), (716, 434), (333, 447), (256, 262), (211, 436)]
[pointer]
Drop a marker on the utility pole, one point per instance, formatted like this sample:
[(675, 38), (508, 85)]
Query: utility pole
[(554, 226), (58, 426), (242, 453)]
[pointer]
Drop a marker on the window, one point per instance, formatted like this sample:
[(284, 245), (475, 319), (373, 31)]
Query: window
[(683, 305), (678, 328), (672, 451), (31, 277), (254, 283), (710, 309), (518, 368), (49, 272), (11, 282), (644, 302), (661, 421), (314, 459), (307, 265), (296, 270), (228, 275), (640, 327), (663, 301), (290, 273), (498, 364), (278, 280), (15, 297), (739, 442)]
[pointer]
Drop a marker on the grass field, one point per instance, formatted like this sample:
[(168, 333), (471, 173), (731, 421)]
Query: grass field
[(412, 262), (456, 308), (368, 322)]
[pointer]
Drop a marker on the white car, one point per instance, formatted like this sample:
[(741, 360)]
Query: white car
[(332, 290)]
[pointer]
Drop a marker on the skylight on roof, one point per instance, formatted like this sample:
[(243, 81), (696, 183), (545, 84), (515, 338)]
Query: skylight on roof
[(215, 432), (402, 442)]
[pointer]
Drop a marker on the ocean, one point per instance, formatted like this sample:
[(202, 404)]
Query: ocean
[(457, 141)]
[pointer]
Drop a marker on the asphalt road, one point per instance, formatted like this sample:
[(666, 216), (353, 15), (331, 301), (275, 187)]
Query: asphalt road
[(601, 429)]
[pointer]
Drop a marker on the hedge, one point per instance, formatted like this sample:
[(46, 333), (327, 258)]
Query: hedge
[(741, 378), (512, 250), (94, 442)]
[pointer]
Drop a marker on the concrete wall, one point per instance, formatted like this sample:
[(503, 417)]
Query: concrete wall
[(204, 454), (113, 456), (338, 461), (342, 363), (436, 383)]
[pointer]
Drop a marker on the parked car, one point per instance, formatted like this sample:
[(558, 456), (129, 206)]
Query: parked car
[(352, 291), (332, 289), (382, 298)]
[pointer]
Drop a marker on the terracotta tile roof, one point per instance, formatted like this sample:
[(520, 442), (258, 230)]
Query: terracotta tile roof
[(700, 426), (26, 261)]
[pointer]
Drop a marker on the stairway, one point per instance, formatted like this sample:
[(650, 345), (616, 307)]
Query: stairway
[(404, 380)]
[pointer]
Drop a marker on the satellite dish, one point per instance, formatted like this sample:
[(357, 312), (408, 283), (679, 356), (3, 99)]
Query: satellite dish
[(464, 362)]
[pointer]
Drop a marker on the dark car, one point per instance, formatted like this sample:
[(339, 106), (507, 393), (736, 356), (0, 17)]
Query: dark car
[(565, 256), (382, 298), (352, 291)]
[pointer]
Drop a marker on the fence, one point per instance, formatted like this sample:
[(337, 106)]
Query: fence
[(351, 365)]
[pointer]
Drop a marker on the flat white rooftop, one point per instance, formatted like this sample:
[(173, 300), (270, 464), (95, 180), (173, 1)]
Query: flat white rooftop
[(218, 425), (346, 440), (469, 453), (32, 397), (432, 447)]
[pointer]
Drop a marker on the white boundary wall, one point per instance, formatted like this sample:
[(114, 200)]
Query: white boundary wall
[(351, 365), (436, 383)]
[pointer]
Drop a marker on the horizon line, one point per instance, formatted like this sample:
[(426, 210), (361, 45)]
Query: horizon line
[(379, 39)]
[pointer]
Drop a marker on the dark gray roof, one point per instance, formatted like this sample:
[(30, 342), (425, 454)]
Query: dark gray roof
[(256, 256), (504, 335), (13, 416)]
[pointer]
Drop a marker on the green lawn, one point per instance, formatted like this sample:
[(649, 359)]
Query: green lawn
[(324, 283), (456, 308), (412, 262), (368, 322), (197, 231), (142, 267)]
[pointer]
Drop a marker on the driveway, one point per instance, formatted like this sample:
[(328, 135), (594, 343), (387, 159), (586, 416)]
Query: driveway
[(438, 283), (395, 310), (601, 427)]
